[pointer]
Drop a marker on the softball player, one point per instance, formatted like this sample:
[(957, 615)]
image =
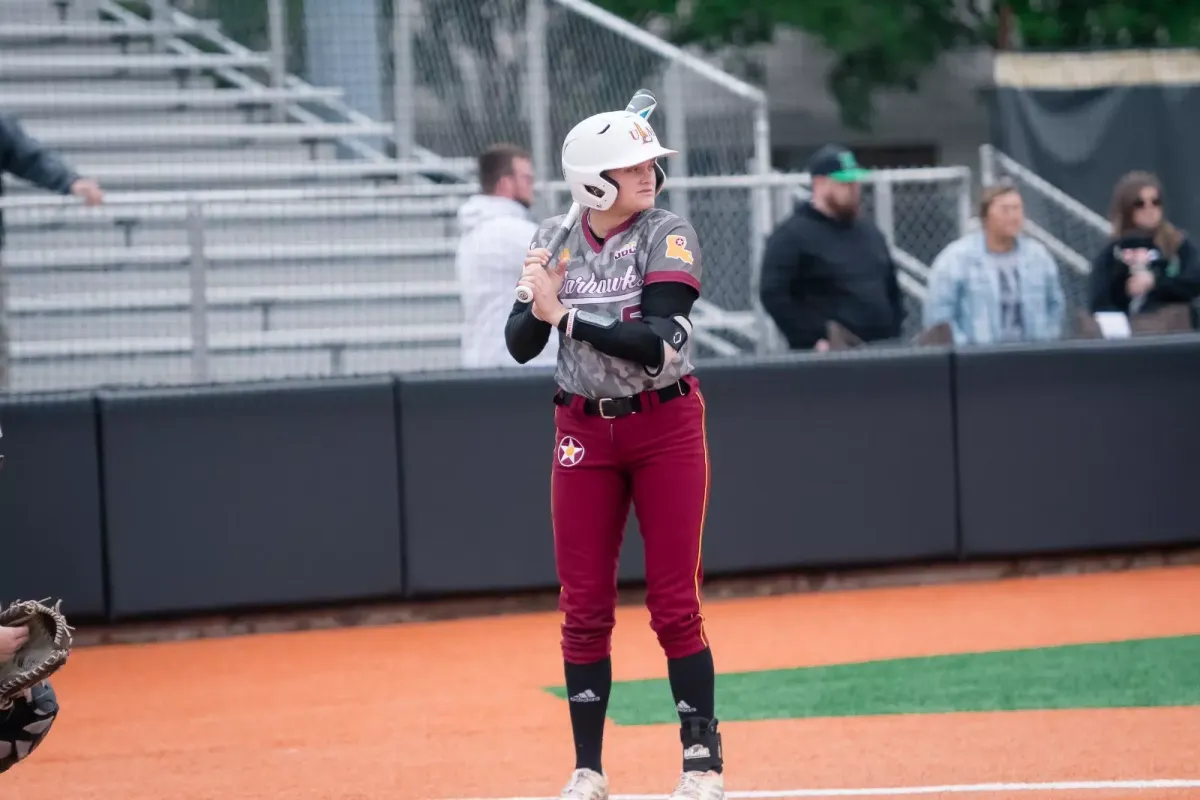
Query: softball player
[(629, 422), (25, 721)]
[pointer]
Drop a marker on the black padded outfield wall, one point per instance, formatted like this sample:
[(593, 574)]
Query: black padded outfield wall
[(808, 467), (296, 494), (476, 456), (1087, 447), (251, 496), (830, 461), (1081, 120), (50, 503)]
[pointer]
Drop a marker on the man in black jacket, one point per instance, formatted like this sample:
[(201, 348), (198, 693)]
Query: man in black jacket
[(824, 263), (24, 157)]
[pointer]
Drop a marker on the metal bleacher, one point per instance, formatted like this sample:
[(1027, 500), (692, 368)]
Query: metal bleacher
[(321, 253)]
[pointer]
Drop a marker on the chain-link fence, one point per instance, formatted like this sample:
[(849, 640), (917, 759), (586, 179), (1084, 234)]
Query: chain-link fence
[(181, 291), (283, 177), (527, 71), (1072, 232), (175, 99), (477, 81), (179, 288), (920, 211)]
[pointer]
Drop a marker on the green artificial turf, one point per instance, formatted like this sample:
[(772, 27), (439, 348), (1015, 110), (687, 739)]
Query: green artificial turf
[(1145, 672)]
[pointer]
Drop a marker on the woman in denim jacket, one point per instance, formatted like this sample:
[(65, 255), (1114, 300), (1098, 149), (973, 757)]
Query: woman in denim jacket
[(996, 285)]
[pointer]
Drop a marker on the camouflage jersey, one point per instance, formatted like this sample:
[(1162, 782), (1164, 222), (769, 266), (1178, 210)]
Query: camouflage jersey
[(607, 278)]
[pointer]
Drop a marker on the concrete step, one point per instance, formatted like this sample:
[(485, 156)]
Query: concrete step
[(248, 320), (63, 103), (68, 136), (43, 12), (125, 85), (29, 285), (250, 213), (82, 67), (38, 121), (248, 154), (94, 47), (124, 37), (263, 233), (88, 260), (245, 175)]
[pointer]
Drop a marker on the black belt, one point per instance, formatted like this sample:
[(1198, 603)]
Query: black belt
[(615, 407)]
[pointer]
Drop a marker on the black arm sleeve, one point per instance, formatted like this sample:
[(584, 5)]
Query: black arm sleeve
[(25, 157), (634, 340), (524, 334), (782, 270)]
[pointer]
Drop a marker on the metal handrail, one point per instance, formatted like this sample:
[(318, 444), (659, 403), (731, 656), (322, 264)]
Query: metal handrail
[(239, 78), (990, 153), (671, 52), (88, 31), (1073, 259)]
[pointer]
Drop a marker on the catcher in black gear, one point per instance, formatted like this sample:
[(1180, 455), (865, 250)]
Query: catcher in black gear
[(35, 642)]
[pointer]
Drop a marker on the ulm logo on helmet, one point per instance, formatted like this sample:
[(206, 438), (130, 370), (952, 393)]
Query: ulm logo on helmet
[(640, 132)]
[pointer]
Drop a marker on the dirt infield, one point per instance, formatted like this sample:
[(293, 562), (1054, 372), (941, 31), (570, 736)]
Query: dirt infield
[(388, 613), (457, 708)]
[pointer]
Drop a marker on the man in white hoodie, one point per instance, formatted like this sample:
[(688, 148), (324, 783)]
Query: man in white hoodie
[(496, 232)]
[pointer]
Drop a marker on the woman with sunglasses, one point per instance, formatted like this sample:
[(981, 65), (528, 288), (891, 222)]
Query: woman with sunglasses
[(1148, 263)]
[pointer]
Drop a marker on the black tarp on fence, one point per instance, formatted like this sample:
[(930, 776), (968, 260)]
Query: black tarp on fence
[(1080, 120)]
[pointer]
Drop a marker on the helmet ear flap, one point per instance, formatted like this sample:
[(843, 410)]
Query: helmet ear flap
[(660, 177), (611, 182), (599, 194)]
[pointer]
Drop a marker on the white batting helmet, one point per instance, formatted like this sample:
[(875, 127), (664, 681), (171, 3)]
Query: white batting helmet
[(611, 140)]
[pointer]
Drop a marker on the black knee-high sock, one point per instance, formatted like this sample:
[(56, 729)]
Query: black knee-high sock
[(588, 687), (693, 684)]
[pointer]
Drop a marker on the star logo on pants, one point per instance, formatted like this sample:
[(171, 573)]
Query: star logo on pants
[(570, 452)]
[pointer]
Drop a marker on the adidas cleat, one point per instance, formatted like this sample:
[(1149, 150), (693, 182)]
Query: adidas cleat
[(586, 784), (699, 786)]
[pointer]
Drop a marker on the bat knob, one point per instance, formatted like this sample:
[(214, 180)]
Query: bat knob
[(524, 294)]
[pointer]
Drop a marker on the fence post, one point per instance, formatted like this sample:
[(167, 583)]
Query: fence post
[(537, 96), (403, 81), (160, 15), (676, 112), (277, 33), (762, 223), (964, 204), (199, 291), (885, 216), (987, 165)]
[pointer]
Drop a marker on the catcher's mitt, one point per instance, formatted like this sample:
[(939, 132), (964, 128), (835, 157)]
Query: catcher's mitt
[(41, 656)]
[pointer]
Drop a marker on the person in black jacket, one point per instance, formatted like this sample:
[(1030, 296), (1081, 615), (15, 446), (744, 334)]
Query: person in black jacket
[(24, 157), (1148, 263), (825, 263)]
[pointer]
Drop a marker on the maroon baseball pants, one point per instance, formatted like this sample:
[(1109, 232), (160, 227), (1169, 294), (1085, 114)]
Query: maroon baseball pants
[(656, 460)]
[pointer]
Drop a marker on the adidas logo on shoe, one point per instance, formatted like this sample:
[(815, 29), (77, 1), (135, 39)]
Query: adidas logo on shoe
[(586, 696)]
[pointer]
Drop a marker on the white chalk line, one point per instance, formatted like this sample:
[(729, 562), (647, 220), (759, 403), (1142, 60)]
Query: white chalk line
[(908, 791)]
